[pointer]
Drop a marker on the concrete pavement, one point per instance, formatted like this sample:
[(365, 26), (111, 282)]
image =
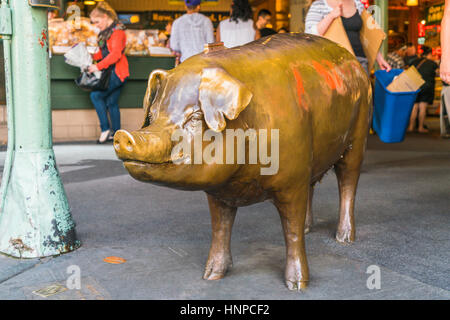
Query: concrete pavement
[(402, 218)]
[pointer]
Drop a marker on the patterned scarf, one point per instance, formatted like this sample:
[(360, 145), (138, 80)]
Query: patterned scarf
[(104, 35)]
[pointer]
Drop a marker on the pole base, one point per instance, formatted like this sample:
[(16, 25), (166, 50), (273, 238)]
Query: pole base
[(36, 220)]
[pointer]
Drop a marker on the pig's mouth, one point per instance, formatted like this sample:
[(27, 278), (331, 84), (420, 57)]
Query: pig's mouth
[(170, 162), (143, 163), (165, 173)]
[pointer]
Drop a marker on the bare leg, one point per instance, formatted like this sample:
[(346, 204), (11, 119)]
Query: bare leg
[(292, 209), (309, 213), (219, 259), (412, 119), (422, 116)]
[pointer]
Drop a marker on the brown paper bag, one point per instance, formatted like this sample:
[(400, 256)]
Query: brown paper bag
[(336, 32), (372, 36), (408, 81)]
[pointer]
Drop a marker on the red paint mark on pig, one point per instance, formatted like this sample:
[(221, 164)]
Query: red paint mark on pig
[(332, 78), (337, 78), (300, 89), (325, 74)]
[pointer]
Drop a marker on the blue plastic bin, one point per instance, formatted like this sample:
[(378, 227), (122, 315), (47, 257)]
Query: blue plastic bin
[(392, 110)]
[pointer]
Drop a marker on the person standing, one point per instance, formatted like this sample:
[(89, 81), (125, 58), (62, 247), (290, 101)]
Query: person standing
[(395, 58), (111, 58), (321, 15), (239, 28), (191, 31), (411, 55), (445, 111), (445, 72), (262, 21), (164, 37), (427, 69), (445, 44)]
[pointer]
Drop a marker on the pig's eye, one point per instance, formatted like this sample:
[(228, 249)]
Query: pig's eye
[(194, 119), (150, 117)]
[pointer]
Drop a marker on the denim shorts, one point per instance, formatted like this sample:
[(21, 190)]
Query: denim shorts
[(364, 63)]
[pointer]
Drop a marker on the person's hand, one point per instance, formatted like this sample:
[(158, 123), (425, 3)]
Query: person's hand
[(445, 71), (383, 63), (338, 11), (93, 68)]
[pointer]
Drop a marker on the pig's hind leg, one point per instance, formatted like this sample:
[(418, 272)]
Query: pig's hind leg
[(309, 213), (348, 168), (219, 259), (347, 171), (292, 205)]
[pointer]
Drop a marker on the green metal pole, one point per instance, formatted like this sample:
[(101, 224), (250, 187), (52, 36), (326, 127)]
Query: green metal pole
[(384, 23), (6, 32), (35, 220)]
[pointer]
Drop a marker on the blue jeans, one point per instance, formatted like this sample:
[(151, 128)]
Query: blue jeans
[(365, 64), (108, 101)]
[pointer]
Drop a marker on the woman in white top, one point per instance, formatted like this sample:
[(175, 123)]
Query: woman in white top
[(239, 29)]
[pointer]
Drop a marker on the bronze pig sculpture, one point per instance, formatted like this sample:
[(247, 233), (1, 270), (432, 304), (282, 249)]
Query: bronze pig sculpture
[(314, 92)]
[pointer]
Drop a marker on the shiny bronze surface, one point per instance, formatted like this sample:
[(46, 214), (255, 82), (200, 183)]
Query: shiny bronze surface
[(311, 90)]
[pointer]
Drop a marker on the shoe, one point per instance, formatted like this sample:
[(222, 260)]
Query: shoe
[(103, 136), (111, 136)]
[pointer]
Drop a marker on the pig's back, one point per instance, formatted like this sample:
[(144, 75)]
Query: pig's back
[(298, 80), (293, 74)]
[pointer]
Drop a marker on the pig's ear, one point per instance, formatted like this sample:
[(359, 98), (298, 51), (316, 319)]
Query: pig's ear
[(154, 84), (221, 95)]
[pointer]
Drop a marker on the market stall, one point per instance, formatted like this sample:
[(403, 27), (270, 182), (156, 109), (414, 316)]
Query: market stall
[(143, 51), (74, 117), (64, 89)]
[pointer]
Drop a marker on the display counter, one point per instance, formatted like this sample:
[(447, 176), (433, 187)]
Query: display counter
[(66, 95)]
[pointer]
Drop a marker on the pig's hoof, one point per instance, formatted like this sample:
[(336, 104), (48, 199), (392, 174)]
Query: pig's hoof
[(296, 275), (217, 268), (345, 236), (299, 286)]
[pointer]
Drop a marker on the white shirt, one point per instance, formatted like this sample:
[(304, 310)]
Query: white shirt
[(318, 10), (190, 33), (234, 34)]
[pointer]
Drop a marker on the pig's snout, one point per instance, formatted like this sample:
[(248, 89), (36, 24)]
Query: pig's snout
[(141, 146), (124, 143)]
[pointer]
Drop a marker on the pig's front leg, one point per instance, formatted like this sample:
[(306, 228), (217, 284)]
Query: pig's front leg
[(219, 259), (292, 207)]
